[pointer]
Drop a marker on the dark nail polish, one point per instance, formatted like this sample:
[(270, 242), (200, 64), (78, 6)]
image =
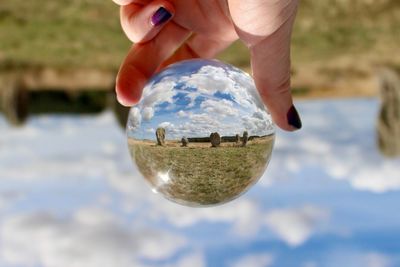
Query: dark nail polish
[(293, 118), (160, 16)]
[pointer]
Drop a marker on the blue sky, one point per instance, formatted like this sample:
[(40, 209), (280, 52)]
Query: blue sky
[(196, 98), (70, 196)]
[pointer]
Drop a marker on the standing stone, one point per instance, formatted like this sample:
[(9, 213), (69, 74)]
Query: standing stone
[(14, 99), (388, 127), (237, 139), (245, 138), (184, 141), (160, 134), (215, 139)]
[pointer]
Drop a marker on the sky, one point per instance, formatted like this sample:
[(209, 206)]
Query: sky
[(197, 98), (70, 196)]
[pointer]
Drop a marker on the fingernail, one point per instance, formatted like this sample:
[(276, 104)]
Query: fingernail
[(160, 16), (293, 118)]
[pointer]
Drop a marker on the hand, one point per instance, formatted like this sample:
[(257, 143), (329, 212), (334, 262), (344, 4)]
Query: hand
[(168, 31)]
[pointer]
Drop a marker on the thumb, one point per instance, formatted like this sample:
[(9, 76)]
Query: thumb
[(266, 28), (270, 62)]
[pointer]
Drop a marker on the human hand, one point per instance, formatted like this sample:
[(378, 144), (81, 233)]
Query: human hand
[(168, 31)]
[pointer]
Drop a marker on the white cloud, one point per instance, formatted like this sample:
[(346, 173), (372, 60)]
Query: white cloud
[(296, 225), (135, 119), (166, 125), (254, 260), (93, 239), (109, 148), (367, 258), (148, 113), (155, 94), (182, 114), (41, 168), (221, 107), (374, 259), (338, 145), (97, 150), (200, 125), (8, 198), (258, 124), (94, 216), (380, 180), (250, 95), (194, 259), (241, 213), (203, 119), (134, 189), (209, 80), (150, 130), (158, 245)]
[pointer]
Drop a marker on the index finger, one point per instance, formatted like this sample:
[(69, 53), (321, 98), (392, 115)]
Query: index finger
[(143, 60)]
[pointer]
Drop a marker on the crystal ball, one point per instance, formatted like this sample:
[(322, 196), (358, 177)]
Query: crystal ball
[(200, 134)]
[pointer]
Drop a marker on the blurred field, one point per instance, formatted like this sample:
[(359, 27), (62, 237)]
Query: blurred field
[(80, 33), (199, 173), (336, 44)]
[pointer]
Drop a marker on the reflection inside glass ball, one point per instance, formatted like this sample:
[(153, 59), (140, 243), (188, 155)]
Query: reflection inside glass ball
[(200, 134)]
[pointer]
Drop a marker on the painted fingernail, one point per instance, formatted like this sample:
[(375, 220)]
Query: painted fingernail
[(160, 16), (293, 118)]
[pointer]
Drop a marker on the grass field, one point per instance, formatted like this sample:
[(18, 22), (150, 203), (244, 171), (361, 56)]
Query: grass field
[(87, 32), (198, 174), (332, 40), (64, 33)]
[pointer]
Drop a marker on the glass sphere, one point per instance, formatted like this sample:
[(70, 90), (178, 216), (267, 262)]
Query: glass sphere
[(200, 135)]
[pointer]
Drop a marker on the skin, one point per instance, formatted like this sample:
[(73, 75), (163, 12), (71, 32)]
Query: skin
[(203, 28)]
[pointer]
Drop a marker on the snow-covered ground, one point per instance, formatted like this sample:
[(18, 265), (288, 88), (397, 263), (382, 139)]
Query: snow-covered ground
[(70, 196)]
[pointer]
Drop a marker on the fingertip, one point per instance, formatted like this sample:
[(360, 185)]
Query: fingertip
[(160, 16), (143, 23), (283, 111), (279, 101), (129, 89), (124, 100), (143, 60), (289, 121), (293, 119)]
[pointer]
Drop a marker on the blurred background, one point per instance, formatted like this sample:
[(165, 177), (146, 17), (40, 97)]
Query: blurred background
[(70, 196)]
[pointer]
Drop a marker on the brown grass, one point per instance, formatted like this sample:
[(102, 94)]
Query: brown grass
[(199, 175)]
